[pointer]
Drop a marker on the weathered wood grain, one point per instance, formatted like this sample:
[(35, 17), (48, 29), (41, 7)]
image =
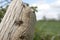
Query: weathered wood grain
[(18, 22)]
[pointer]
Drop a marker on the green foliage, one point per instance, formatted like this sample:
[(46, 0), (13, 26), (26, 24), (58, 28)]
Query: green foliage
[(2, 12)]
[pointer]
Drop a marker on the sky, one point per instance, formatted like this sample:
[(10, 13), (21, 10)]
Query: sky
[(48, 8)]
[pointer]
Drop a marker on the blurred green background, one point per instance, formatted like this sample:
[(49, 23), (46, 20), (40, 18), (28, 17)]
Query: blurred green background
[(47, 30)]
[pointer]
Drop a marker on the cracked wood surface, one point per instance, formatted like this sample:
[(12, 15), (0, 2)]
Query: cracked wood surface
[(18, 22)]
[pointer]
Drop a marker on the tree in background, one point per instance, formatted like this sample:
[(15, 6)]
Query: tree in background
[(44, 18), (59, 17), (3, 8)]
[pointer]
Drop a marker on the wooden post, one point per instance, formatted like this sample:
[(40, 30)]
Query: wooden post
[(18, 22)]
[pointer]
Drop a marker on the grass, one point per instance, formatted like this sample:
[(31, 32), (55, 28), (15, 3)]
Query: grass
[(45, 30)]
